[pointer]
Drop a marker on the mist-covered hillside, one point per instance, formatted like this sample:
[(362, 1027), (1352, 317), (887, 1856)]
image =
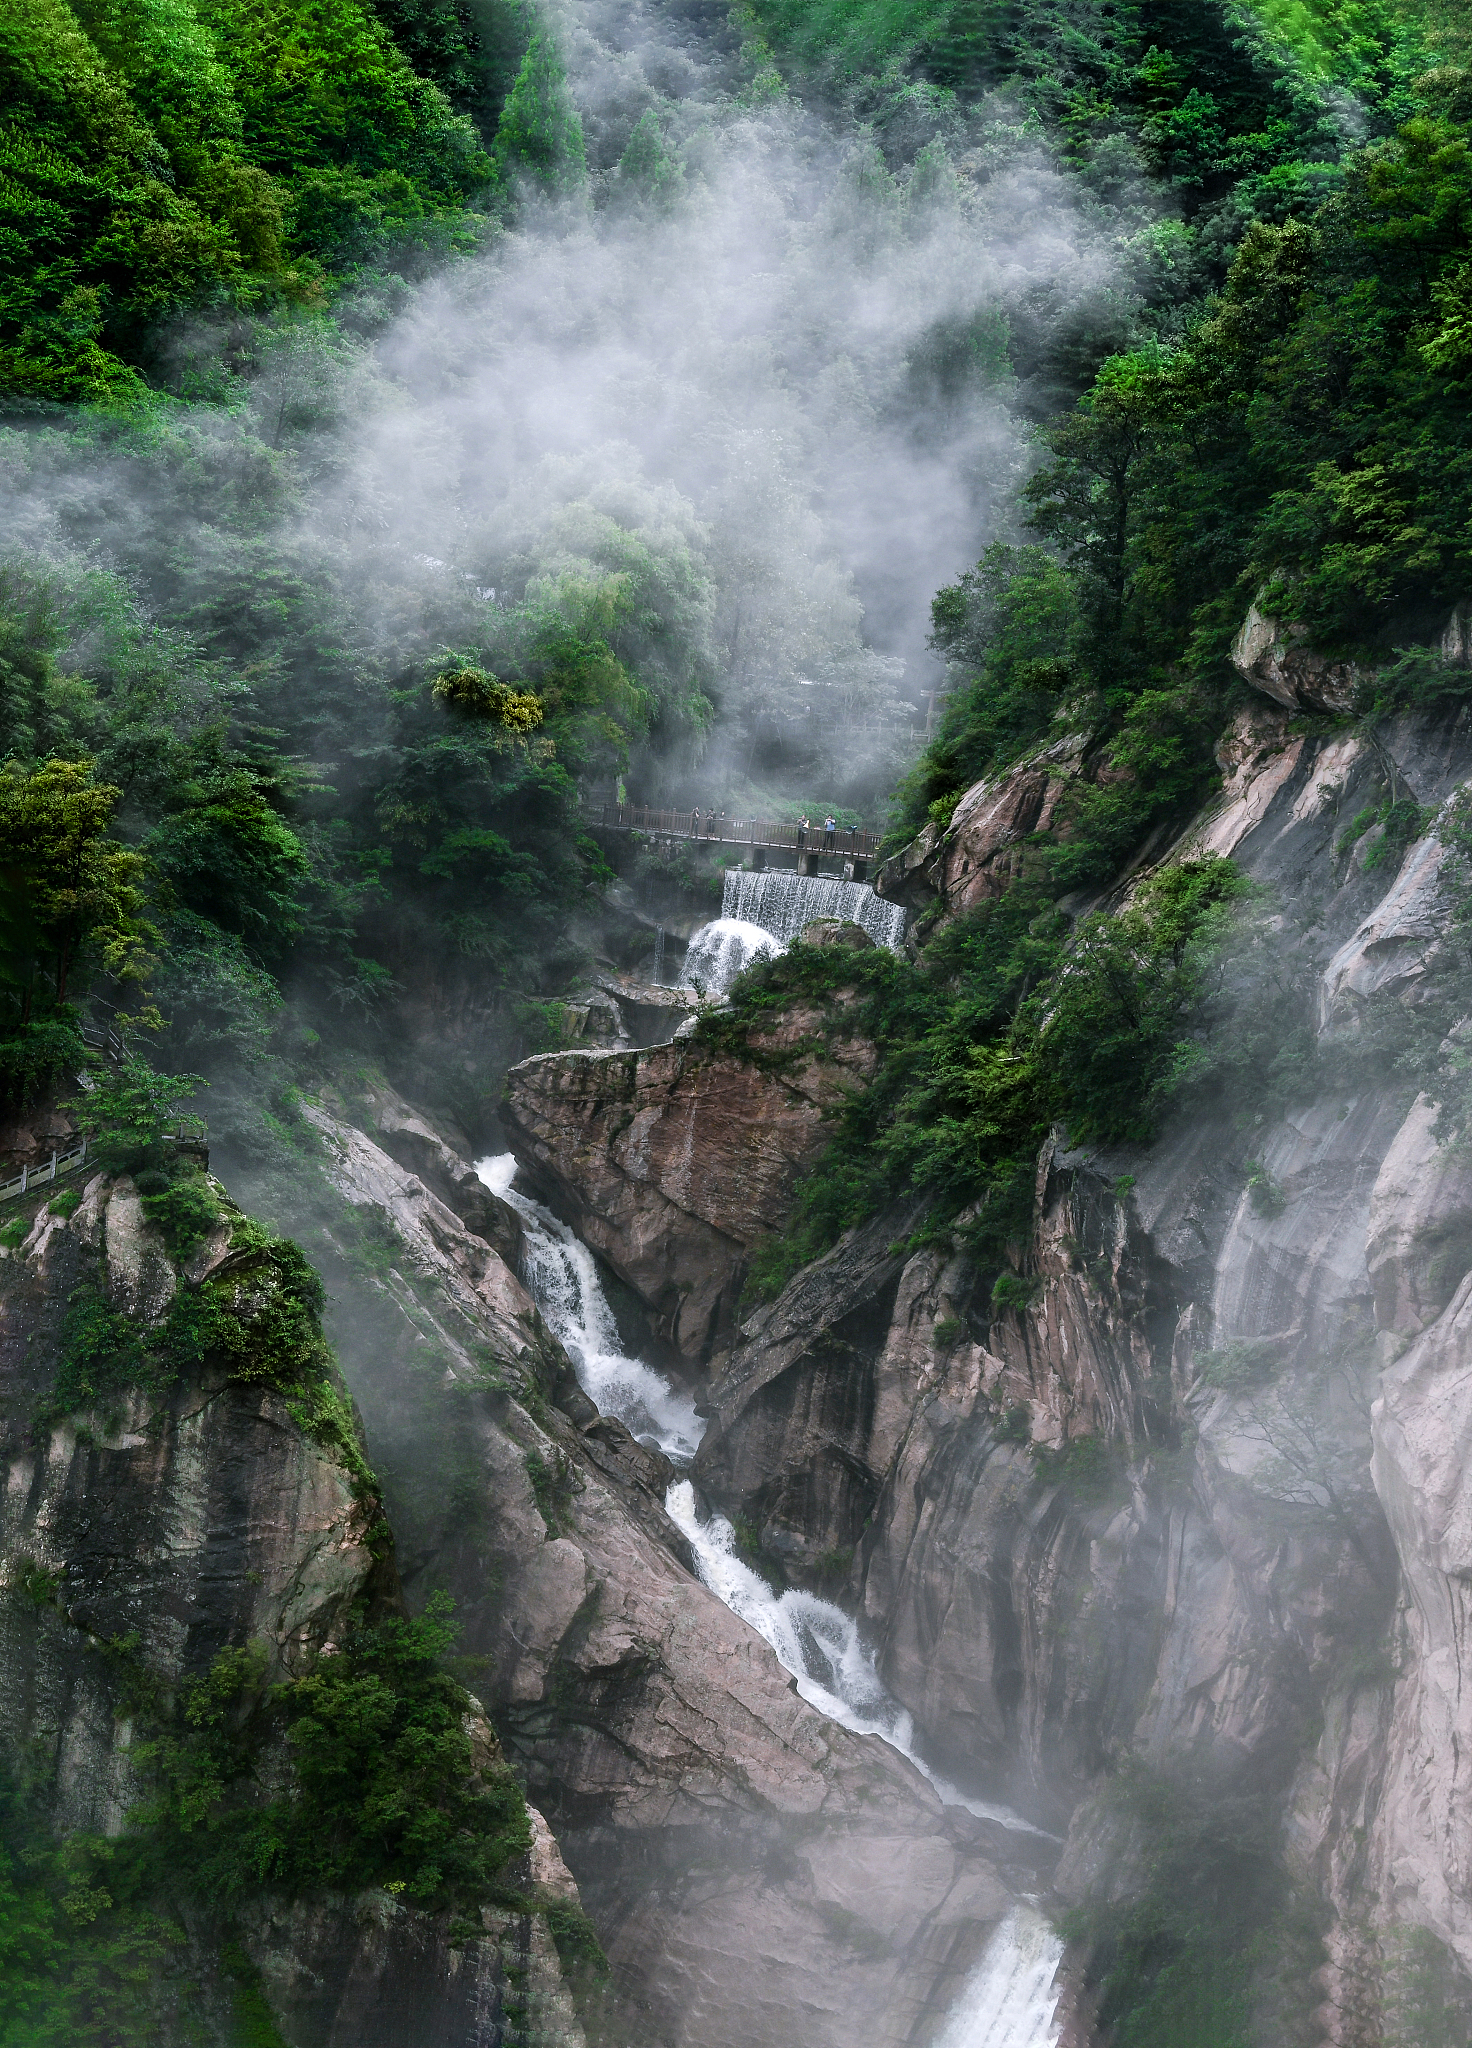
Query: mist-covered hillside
[(431, 431)]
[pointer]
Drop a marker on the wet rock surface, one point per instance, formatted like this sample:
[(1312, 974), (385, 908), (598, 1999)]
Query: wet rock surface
[(736, 1849), (1163, 1505), (172, 1526), (672, 1163)]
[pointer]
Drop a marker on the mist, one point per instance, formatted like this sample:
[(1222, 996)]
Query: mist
[(788, 383), (769, 401)]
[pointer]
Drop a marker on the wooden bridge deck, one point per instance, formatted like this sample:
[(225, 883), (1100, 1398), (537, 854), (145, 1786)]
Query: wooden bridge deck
[(753, 832)]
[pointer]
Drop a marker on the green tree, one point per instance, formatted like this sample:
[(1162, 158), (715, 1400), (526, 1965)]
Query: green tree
[(647, 166), (71, 894), (227, 855), (540, 137), (130, 1113)]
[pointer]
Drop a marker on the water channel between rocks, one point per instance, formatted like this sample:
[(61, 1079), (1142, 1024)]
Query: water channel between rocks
[(1009, 2000)]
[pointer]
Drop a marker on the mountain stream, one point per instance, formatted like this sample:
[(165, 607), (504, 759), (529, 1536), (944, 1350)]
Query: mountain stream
[(1009, 2000)]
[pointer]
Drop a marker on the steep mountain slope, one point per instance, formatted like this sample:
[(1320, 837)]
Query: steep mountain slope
[(1175, 1515)]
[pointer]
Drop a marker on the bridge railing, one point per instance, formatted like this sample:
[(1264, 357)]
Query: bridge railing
[(32, 1177), (736, 831)]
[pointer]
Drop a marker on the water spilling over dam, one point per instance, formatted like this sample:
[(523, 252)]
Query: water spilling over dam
[(724, 948), (782, 903)]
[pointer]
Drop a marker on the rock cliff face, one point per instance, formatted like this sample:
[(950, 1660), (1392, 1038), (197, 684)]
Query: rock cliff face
[(146, 1530), (673, 1162), (1164, 1507)]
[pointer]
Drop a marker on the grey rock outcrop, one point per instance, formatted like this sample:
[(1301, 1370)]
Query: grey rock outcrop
[(1278, 659), (171, 1523), (1163, 1502), (672, 1163)]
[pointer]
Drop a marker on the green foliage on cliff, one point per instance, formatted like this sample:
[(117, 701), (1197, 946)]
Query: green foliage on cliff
[(1213, 1950), (386, 1789), (1307, 444), (1011, 1023), (378, 1785), (256, 1320), (71, 906)]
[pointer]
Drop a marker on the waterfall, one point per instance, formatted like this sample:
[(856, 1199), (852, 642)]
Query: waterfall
[(1010, 1999), (720, 950), (819, 1644), (563, 1278), (782, 903)]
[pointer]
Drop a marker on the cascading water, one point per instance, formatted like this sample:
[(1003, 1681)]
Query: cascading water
[(1008, 2001), (1010, 1998), (563, 1278), (782, 903), (719, 951), (819, 1644)]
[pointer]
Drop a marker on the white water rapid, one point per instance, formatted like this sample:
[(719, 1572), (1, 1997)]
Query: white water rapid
[(1008, 2001), (819, 1644), (782, 903), (720, 951), (563, 1278)]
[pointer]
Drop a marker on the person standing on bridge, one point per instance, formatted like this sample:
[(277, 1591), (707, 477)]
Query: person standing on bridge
[(695, 823), (830, 828), (802, 833)]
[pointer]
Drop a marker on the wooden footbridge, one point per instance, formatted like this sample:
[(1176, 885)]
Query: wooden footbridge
[(759, 837)]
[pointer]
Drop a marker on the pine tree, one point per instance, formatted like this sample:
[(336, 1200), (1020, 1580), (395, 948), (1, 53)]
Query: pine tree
[(647, 166), (541, 136)]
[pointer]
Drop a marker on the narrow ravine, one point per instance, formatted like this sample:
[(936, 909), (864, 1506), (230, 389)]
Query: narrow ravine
[(1010, 1999)]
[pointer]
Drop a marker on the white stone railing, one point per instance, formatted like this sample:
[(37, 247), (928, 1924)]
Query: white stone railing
[(31, 1177)]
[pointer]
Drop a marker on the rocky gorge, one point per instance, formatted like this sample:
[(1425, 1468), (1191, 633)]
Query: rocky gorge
[(1191, 1506), (1183, 1506), (735, 1024)]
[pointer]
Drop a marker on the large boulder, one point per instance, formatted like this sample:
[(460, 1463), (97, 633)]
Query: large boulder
[(1275, 657)]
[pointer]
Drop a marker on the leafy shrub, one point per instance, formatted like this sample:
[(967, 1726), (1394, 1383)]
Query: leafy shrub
[(578, 1948), (1011, 1290), (1087, 1467), (1014, 1425), (1240, 1365), (182, 1204), (1196, 1955), (256, 1319), (130, 1113), (38, 1055), (66, 1203), (553, 1488), (385, 1789), (478, 694), (1263, 1192)]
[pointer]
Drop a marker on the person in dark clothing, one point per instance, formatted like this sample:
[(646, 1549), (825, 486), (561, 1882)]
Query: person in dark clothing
[(802, 832)]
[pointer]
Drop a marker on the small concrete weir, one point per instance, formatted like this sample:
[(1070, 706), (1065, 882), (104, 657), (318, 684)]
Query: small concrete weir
[(782, 903)]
